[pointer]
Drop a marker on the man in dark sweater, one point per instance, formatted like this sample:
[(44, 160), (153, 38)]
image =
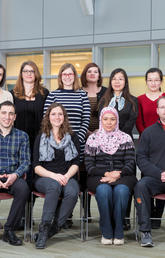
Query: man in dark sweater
[(151, 162)]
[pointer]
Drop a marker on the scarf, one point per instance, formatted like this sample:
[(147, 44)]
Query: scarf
[(48, 144), (108, 142), (120, 100)]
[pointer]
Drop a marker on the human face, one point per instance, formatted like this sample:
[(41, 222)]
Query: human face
[(161, 110), (92, 75), (1, 74), (28, 74), (153, 82), (118, 83), (7, 117), (109, 122), (56, 117), (67, 78)]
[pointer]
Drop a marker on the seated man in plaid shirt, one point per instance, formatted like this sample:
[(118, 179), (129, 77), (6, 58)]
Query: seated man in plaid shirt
[(14, 163)]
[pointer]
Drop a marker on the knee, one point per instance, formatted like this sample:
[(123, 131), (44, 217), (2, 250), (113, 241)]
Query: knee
[(141, 186), (122, 192), (72, 190), (103, 191)]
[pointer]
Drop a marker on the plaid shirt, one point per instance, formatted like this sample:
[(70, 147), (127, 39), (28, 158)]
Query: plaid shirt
[(14, 153)]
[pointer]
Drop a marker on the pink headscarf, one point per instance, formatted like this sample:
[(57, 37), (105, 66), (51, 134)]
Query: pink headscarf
[(108, 142)]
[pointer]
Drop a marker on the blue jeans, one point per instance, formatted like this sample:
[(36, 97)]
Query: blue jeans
[(112, 204)]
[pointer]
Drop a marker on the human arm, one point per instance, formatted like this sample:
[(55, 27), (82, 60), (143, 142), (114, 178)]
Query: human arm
[(85, 119), (49, 100)]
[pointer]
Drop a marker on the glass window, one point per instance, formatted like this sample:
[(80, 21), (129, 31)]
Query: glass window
[(14, 62), (134, 59), (10, 84), (161, 50), (79, 58)]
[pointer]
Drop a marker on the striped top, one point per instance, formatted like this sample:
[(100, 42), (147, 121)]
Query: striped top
[(77, 106)]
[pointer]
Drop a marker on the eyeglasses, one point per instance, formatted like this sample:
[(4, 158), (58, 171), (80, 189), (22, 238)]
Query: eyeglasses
[(161, 107), (67, 74), (154, 81), (120, 79), (28, 71)]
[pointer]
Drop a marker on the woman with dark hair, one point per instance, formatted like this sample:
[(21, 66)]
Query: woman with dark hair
[(29, 98), (4, 94), (110, 163), (91, 80), (148, 116), (118, 96), (56, 162)]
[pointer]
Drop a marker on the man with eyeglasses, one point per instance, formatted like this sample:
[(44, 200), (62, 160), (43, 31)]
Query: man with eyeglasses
[(151, 162), (14, 164)]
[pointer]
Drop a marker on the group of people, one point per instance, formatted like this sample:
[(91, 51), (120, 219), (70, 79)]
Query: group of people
[(77, 138)]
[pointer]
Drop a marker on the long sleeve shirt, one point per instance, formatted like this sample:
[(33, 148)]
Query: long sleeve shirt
[(14, 153)]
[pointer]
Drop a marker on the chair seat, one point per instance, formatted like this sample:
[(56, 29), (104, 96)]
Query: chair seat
[(159, 196), (5, 196)]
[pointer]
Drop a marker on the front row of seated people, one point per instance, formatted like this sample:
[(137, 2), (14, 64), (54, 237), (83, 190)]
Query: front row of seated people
[(110, 163)]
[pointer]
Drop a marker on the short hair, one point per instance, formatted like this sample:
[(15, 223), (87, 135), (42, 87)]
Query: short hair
[(7, 103), (154, 70), (83, 75), (162, 97), (4, 75)]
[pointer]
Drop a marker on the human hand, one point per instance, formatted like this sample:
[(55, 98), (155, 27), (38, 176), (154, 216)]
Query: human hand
[(60, 178), (10, 179), (163, 176)]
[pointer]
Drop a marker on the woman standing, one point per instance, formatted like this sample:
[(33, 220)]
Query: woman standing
[(56, 162), (110, 163), (91, 81), (119, 97), (4, 94), (148, 116), (29, 98)]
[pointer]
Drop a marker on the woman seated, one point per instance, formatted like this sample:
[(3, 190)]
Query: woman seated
[(110, 163), (56, 162)]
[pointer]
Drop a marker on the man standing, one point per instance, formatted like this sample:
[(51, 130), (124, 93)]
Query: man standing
[(151, 162), (14, 164)]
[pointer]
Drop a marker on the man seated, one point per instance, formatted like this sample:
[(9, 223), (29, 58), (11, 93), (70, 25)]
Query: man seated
[(14, 163), (151, 162)]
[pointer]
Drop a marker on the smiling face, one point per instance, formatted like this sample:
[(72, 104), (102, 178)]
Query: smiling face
[(67, 78), (109, 122), (92, 74), (28, 74), (153, 82), (56, 117), (7, 117), (118, 83)]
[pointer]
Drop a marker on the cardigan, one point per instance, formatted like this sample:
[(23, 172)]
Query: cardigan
[(32, 110), (147, 112), (5, 95), (57, 165), (77, 107), (151, 151), (123, 159)]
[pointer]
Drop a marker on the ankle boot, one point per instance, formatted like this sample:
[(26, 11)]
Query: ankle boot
[(54, 229), (43, 235)]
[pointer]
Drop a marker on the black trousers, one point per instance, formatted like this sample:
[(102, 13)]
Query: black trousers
[(20, 192), (144, 190)]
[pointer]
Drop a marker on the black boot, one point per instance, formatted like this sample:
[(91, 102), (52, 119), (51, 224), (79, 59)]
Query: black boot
[(54, 229), (43, 235)]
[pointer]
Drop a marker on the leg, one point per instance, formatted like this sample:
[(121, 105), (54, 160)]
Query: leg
[(68, 202), (104, 201), (121, 196)]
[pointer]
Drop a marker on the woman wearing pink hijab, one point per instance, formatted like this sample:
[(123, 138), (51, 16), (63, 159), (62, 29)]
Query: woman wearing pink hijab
[(110, 163)]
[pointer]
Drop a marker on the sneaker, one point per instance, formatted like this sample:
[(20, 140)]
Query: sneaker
[(118, 241), (146, 239), (106, 241)]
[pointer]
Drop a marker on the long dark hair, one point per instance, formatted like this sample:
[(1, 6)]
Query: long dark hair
[(46, 125), (4, 76), (110, 92)]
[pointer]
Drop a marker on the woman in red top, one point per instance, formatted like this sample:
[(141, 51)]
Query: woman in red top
[(147, 116), (148, 102)]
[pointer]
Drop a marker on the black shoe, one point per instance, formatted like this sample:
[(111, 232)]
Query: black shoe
[(126, 224), (43, 235), (10, 237), (155, 224), (146, 239), (68, 224), (20, 225), (54, 229)]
